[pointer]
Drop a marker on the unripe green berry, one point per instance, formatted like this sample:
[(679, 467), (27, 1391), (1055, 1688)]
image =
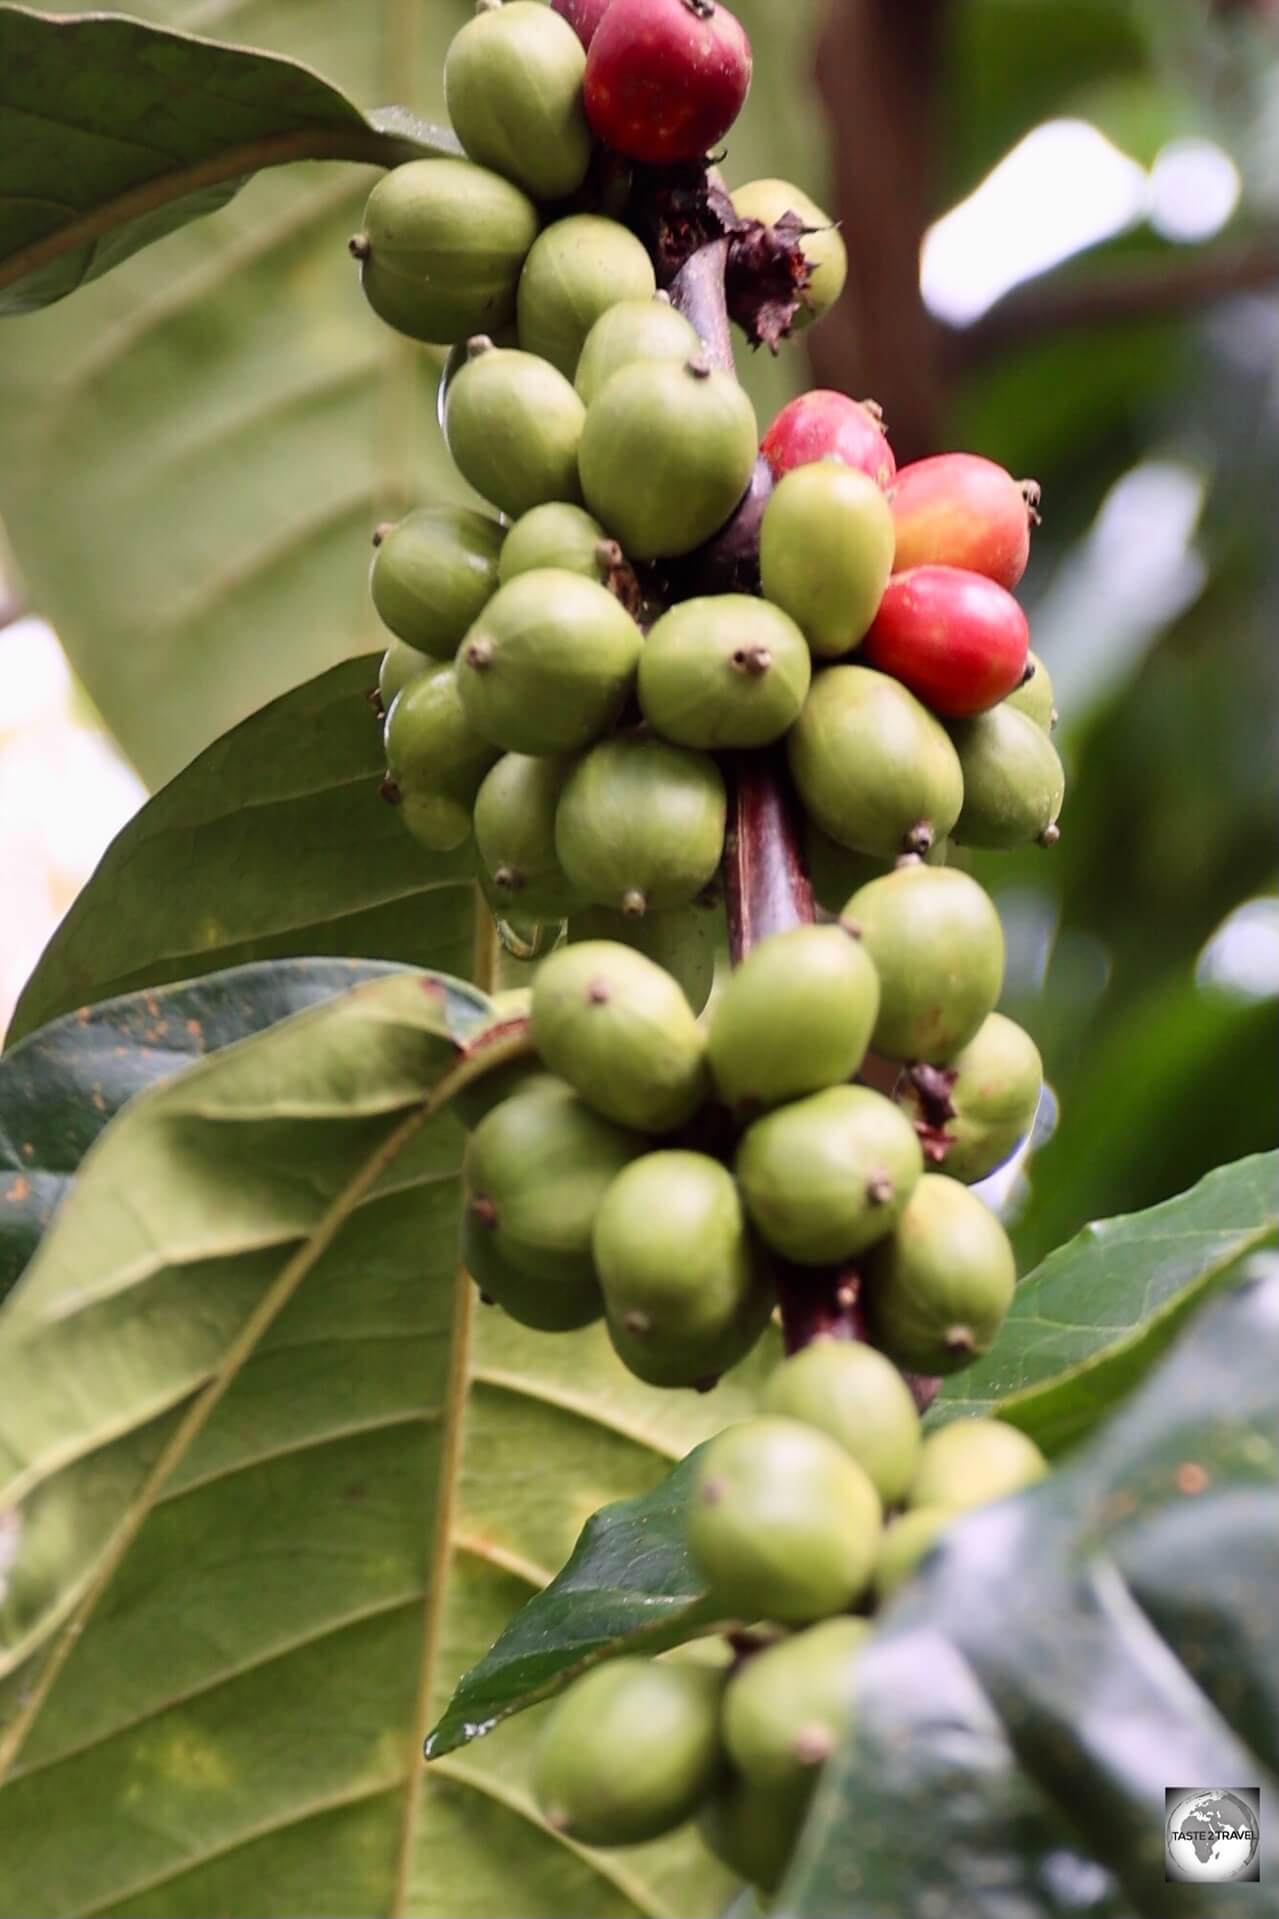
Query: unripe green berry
[(825, 1177), (1014, 782), (435, 758), (434, 573), (576, 270), (513, 89), (852, 1392), (1034, 696), (939, 1286), (725, 671), (782, 1524), (754, 1830), (826, 551), (683, 1287), (973, 1461), (632, 330), (558, 1302), (993, 1090), (640, 826), (555, 535), (787, 1708), (535, 1172), (515, 834), (620, 1031), (907, 1540), (631, 1751), (548, 665), (794, 1017), (513, 425), (666, 454), (442, 248), (938, 948), (872, 766), (400, 664), (835, 871)]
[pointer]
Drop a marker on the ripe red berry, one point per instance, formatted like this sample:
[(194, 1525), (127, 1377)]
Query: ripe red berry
[(824, 425), (582, 15), (957, 509), (956, 639), (665, 79)]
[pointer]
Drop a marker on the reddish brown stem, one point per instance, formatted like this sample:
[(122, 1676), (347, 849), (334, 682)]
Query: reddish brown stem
[(698, 292)]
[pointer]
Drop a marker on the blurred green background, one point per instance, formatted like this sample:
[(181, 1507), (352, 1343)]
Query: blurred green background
[(196, 447)]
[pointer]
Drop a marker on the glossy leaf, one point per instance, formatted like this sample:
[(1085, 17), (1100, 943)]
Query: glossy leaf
[(271, 1482), (113, 133), (59, 1088), (1092, 1319), (629, 1582), (275, 843), (1049, 1673)]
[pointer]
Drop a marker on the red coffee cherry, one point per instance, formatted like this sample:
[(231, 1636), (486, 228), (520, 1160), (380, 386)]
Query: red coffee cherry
[(955, 638), (824, 425), (957, 509), (665, 79), (583, 16)]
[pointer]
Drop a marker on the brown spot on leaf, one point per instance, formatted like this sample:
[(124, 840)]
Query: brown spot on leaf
[(1191, 1477)]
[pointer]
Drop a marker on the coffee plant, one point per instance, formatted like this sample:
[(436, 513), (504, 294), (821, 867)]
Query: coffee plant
[(343, 1288)]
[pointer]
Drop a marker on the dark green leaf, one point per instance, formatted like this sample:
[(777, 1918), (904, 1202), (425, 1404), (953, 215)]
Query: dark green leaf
[(1067, 1655), (60, 1087), (629, 1583), (114, 133), (273, 844), (1091, 1320)]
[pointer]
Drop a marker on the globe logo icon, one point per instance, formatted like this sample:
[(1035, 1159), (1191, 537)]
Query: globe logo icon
[(1211, 1835)]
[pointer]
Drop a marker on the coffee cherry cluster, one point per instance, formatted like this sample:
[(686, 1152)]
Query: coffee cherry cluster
[(801, 1522), (663, 1172)]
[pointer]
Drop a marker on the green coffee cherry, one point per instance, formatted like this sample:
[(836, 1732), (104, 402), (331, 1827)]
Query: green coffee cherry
[(442, 248), (640, 826), (575, 271), (795, 1016), (853, 1393), (782, 1524), (558, 1302), (631, 1751), (513, 425), (515, 834), (907, 1540), (726, 671), (938, 947), (822, 244), (555, 535), (788, 1706), (827, 1176), (434, 573), (873, 767), (548, 665), (666, 454), (513, 89), (835, 871), (683, 1287), (1014, 783), (754, 1830), (973, 1461), (436, 759), (400, 664), (535, 1172), (826, 551), (995, 1086), (682, 941), (939, 1286), (1034, 696), (633, 330), (620, 1031)]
